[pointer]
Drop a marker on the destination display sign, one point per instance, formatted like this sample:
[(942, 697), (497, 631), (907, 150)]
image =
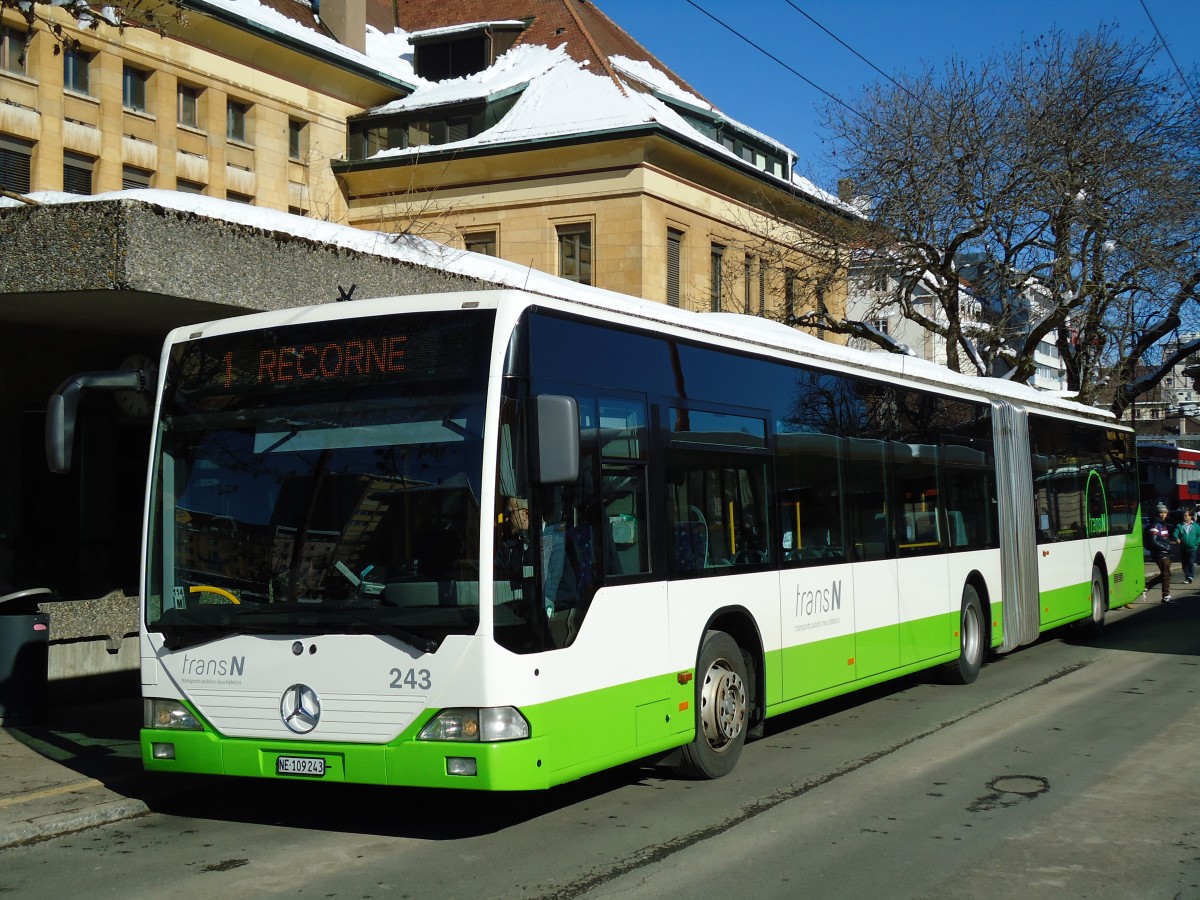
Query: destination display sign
[(351, 352), (353, 357)]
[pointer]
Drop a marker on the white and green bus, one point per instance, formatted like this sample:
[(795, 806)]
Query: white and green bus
[(501, 541)]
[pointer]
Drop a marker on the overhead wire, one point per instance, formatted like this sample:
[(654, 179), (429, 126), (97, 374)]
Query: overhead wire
[(851, 49), (1171, 56), (774, 58)]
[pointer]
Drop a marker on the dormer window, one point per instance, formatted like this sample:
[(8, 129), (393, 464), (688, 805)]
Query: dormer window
[(764, 156), (444, 53), (372, 133)]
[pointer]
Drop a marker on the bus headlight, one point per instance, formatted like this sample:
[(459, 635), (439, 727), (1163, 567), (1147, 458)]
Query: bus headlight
[(157, 713), (493, 723)]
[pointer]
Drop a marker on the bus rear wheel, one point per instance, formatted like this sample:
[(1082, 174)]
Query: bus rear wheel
[(722, 709), (965, 669)]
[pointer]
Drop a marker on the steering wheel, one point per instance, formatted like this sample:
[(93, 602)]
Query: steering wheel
[(211, 589)]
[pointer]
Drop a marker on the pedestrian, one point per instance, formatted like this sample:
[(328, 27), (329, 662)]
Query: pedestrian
[(1187, 536), (1158, 542)]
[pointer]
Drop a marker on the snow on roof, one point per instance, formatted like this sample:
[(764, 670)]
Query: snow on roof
[(390, 55), (594, 106), (654, 78), (560, 98), (513, 69), (765, 333), (461, 29)]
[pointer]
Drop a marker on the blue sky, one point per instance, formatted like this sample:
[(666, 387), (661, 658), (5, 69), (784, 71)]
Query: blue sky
[(895, 36)]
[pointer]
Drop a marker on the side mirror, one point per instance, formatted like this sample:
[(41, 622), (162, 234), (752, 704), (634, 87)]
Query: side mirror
[(554, 439), (63, 406)]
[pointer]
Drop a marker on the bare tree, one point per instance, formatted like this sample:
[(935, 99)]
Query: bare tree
[(149, 14), (1055, 185)]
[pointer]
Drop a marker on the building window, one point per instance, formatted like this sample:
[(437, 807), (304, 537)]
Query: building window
[(188, 187), (716, 265), (12, 50), (880, 325), (133, 88), (481, 242), (454, 58), (187, 106), (76, 64), (762, 288), (238, 198), (674, 251), (297, 139), (133, 177), (879, 279), (77, 173), (575, 252), (789, 295), (746, 284), (15, 155), (236, 116)]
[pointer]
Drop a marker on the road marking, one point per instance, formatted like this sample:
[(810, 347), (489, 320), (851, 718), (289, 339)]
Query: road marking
[(52, 792)]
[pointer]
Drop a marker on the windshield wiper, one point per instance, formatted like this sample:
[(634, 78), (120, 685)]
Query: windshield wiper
[(182, 629), (424, 644), (310, 620)]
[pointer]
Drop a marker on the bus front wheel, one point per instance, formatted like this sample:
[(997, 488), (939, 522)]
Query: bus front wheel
[(965, 669), (1094, 624), (722, 709)]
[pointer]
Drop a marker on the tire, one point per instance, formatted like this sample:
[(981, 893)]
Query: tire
[(722, 709), (1094, 625), (971, 639)]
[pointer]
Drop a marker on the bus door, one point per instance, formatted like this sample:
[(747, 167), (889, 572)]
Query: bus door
[(921, 536), (872, 548), (1097, 510), (816, 581)]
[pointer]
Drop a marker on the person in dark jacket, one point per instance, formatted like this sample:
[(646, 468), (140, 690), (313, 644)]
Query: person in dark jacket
[(1158, 542)]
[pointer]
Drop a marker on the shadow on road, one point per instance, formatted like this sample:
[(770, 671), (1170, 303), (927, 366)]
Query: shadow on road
[(100, 740)]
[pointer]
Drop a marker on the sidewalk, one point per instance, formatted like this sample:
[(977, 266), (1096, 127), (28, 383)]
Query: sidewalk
[(81, 767), (77, 768)]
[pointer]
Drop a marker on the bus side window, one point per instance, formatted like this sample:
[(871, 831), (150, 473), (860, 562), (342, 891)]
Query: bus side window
[(624, 456), (809, 499)]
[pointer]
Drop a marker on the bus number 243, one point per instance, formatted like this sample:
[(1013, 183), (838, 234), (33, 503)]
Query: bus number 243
[(413, 679)]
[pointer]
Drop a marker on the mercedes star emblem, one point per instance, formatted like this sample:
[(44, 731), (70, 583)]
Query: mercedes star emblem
[(300, 708)]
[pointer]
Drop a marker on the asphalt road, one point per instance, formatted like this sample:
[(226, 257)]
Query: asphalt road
[(1068, 770)]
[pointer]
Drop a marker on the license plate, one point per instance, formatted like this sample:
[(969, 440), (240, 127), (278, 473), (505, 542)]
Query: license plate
[(300, 765)]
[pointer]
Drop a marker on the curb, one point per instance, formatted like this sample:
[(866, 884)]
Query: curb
[(58, 824)]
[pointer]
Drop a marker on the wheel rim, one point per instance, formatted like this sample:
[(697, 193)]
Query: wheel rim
[(1099, 607), (722, 705), (972, 633)]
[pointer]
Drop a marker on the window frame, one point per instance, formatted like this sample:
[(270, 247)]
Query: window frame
[(187, 95), (675, 238), (297, 139), (12, 46), (576, 237), (16, 162), (77, 66), (78, 162), (488, 238), (237, 121), (716, 270), (135, 88)]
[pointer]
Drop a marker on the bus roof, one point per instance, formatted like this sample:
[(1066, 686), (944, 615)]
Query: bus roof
[(753, 334)]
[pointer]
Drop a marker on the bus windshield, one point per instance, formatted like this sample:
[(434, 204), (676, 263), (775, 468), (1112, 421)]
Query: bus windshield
[(343, 497)]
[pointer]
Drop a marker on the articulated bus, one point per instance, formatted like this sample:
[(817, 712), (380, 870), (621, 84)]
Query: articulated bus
[(500, 541)]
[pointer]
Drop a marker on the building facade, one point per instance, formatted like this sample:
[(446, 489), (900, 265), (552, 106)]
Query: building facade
[(347, 116), (337, 118), (871, 298)]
